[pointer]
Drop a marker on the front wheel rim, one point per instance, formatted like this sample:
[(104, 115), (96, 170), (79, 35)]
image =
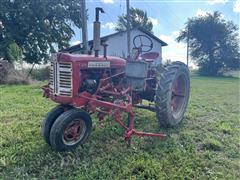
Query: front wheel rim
[(74, 132)]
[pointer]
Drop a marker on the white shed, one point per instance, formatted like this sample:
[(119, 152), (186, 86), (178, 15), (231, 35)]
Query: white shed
[(117, 43)]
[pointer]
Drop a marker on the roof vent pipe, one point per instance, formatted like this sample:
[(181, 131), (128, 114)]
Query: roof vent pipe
[(96, 32)]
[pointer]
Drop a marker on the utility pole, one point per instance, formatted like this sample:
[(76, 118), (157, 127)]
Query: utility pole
[(84, 26), (128, 29), (187, 46)]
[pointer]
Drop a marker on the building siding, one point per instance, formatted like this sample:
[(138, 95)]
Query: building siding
[(117, 45)]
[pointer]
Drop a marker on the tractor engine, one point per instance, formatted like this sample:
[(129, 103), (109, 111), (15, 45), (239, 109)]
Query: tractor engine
[(92, 77), (71, 75), (90, 80)]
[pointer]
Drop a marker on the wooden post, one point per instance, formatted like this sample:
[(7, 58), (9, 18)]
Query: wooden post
[(128, 29), (187, 46), (84, 26)]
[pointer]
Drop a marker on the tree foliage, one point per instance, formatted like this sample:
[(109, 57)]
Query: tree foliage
[(214, 43), (138, 18), (37, 27), (13, 52)]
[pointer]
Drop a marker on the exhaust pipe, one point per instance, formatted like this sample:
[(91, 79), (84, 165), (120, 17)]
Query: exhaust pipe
[(96, 32)]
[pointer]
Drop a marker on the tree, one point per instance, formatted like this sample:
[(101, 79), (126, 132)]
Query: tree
[(13, 53), (37, 27), (213, 42), (138, 18)]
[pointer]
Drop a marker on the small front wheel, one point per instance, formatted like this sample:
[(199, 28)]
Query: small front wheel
[(51, 118), (70, 129)]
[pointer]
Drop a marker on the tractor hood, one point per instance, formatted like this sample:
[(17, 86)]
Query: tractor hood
[(90, 61)]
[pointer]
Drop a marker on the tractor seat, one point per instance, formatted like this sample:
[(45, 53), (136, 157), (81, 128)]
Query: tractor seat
[(150, 56)]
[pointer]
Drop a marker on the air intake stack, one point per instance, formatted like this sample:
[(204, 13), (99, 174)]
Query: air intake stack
[(96, 32)]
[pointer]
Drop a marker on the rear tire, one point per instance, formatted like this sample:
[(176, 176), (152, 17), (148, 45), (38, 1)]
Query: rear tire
[(50, 118), (70, 129), (172, 94)]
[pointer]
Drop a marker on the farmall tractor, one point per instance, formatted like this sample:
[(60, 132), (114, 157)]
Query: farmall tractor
[(111, 86)]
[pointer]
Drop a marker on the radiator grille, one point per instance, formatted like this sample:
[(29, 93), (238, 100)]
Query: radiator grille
[(60, 81)]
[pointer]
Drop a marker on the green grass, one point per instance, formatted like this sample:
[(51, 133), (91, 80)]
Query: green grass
[(205, 145)]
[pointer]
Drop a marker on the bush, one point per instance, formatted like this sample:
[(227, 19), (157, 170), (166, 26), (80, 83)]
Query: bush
[(9, 75), (40, 74)]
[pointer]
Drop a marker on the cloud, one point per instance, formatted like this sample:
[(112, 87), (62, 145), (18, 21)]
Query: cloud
[(201, 13), (108, 1), (174, 51), (236, 6), (168, 39), (75, 43), (109, 25), (212, 2), (154, 21)]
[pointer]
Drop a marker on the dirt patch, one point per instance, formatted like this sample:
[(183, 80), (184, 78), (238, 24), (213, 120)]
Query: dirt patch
[(9, 75)]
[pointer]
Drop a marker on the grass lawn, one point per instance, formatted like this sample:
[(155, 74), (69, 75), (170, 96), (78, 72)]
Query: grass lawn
[(205, 145)]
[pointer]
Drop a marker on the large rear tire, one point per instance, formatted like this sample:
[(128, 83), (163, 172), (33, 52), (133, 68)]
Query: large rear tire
[(50, 119), (70, 129), (172, 94)]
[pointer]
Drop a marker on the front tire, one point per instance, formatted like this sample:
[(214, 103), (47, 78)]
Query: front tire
[(172, 94), (70, 129), (50, 119)]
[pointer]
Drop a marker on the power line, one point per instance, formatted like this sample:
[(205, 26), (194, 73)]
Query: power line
[(165, 19), (172, 12), (106, 11)]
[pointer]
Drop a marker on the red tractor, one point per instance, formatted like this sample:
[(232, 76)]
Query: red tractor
[(111, 86)]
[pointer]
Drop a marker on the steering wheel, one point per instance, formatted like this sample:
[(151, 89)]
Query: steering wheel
[(143, 42)]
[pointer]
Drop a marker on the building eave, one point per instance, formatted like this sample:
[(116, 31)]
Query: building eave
[(78, 47)]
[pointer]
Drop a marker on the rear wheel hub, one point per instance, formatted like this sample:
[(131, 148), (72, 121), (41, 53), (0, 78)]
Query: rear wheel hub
[(178, 94)]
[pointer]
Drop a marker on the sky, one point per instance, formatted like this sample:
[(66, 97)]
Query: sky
[(168, 18)]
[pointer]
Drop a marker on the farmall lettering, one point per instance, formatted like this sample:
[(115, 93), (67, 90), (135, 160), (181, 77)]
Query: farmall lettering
[(83, 85), (99, 64)]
